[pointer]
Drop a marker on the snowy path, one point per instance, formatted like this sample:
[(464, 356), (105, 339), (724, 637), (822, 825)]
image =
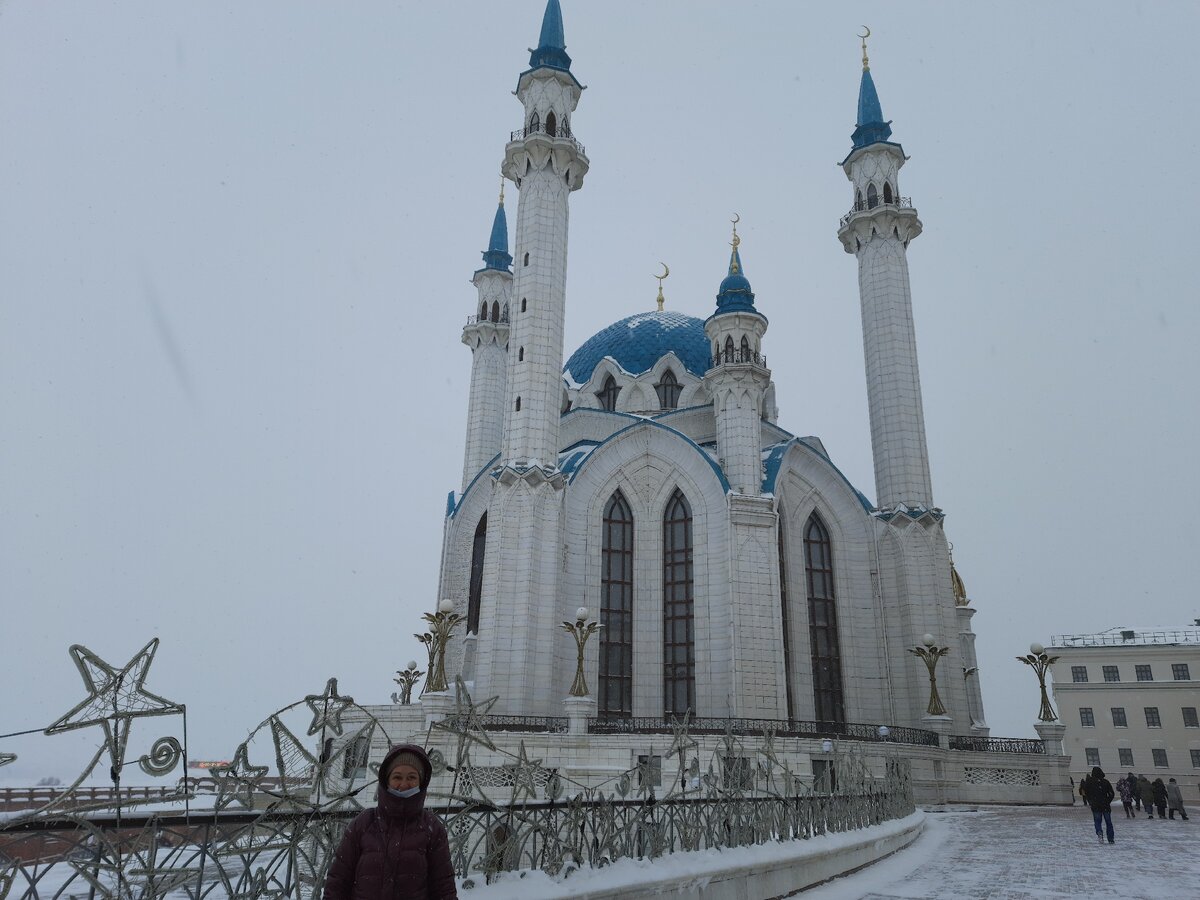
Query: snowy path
[(1013, 853)]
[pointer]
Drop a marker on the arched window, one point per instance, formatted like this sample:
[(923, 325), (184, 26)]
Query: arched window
[(478, 548), (551, 124), (495, 310), (887, 192), (518, 404), (679, 642), (872, 196), (746, 354), (534, 122), (783, 604), (483, 311), (729, 348), (526, 262), (523, 299), (822, 619), (858, 200), (607, 395), (504, 312), (668, 390), (616, 610), (520, 354)]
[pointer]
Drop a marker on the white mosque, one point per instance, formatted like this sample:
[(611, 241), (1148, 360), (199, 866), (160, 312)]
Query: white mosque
[(734, 569)]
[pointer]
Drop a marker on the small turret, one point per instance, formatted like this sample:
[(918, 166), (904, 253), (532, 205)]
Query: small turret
[(551, 50)]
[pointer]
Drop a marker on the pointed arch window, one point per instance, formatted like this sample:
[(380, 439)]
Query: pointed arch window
[(746, 354), (729, 348), (783, 605), (483, 311), (535, 123), (887, 192), (668, 390), (679, 643), (822, 619), (551, 124), (872, 196), (858, 204), (495, 310), (475, 592), (616, 610), (607, 395)]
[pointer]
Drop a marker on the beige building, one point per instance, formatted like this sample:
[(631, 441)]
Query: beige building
[(1129, 699)]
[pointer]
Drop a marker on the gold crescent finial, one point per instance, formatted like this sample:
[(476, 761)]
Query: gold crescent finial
[(501, 190), (864, 37), (733, 257), (660, 298)]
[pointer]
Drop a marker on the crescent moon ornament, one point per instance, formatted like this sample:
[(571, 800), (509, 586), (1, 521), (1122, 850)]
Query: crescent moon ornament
[(868, 33), (736, 218), (660, 299), (666, 272), (866, 64)]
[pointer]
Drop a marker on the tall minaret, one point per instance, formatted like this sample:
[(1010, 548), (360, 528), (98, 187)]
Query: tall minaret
[(739, 377), (486, 333), (877, 230), (546, 163), (521, 658)]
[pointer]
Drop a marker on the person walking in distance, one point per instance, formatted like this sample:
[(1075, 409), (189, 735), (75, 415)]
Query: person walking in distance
[(1175, 800), (1125, 788), (1100, 797), (1160, 797), (1145, 790), (398, 850)]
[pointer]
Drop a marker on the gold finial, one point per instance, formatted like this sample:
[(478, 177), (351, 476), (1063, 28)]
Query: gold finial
[(956, 582), (734, 268), (501, 190), (864, 37), (660, 278)]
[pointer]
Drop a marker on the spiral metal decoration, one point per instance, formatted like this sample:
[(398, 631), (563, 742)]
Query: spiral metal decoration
[(163, 757)]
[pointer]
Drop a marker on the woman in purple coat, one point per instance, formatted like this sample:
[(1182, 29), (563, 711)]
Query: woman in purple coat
[(398, 850)]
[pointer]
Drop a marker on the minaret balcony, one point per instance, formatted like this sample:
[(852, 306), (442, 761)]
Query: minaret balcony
[(475, 320), (865, 206), (559, 132), (739, 358)]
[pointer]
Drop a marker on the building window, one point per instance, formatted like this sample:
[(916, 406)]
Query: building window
[(495, 310), (523, 299), (745, 349), (1152, 719), (872, 196), (649, 770), (526, 261), (354, 761), (1189, 717), (822, 618), (616, 610), (518, 404), (1143, 673), (668, 391), (1112, 673), (520, 354), (551, 124), (1079, 674), (679, 648), (607, 395), (1118, 716), (781, 537), (1196, 759), (475, 591), (1160, 757), (1124, 756), (887, 192), (1093, 755), (1179, 671), (1086, 718), (729, 351)]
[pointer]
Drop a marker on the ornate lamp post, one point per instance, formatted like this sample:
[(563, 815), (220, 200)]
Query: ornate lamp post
[(931, 654), (581, 630), (441, 627), (1040, 663), (406, 678)]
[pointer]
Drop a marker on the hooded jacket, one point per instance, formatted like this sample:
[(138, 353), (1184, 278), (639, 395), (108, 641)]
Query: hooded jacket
[(1145, 791), (1174, 796), (1099, 791), (396, 851)]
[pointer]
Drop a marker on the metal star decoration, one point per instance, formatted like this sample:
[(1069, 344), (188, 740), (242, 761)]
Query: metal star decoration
[(237, 780), (467, 721), (681, 741), (327, 709), (523, 771), (114, 698)]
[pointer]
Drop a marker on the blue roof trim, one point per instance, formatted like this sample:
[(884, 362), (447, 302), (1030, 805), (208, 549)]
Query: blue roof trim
[(653, 424), (637, 342), (774, 462), (496, 256), (854, 150), (450, 513)]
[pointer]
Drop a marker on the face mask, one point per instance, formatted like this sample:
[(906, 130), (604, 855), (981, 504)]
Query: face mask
[(404, 795)]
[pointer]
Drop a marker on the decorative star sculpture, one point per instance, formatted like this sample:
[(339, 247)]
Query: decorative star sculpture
[(296, 764), (327, 709), (238, 780), (681, 741), (467, 721), (523, 771), (114, 699)]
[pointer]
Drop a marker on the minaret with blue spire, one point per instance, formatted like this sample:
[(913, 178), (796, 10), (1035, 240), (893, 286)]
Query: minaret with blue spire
[(877, 230), (486, 333), (521, 657), (738, 378)]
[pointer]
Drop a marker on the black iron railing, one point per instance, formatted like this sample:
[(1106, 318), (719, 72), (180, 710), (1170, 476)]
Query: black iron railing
[(897, 203), (537, 724), (475, 320), (997, 745), (560, 132), (739, 357), (853, 731)]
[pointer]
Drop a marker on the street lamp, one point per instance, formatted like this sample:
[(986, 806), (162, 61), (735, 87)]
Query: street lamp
[(581, 630), (1039, 661), (931, 654), (406, 678), (441, 627)]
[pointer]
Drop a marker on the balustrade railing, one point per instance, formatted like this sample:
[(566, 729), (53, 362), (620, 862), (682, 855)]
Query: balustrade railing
[(864, 206), (997, 745), (739, 357), (853, 731), (475, 320), (561, 132), (536, 724)]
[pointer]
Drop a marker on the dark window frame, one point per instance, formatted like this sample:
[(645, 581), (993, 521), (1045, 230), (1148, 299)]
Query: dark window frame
[(1079, 674), (1180, 672), (1153, 719), (1112, 674), (475, 588), (1087, 717), (1144, 672), (1125, 757), (1092, 755), (679, 635), (1159, 757), (668, 390), (1190, 720), (828, 698), (1118, 713), (607, 395), (615, 678)]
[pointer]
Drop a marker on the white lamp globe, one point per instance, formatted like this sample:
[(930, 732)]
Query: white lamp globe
[(1036, 649), (412, 664), (582, 613), (927, 640), (884, 731), (446, 606)]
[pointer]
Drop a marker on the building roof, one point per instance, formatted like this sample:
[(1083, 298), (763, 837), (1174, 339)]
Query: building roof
[(871, 128), (496, 256), (735, 295), (1130, 637), (551, 51), (637, 342)]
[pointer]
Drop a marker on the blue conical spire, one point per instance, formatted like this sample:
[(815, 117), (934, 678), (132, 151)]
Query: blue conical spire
[(496, 256), (871, 127), (551, 51), (735, 295)]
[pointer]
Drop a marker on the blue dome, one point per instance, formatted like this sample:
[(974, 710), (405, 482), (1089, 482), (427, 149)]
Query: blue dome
[(641, 340)]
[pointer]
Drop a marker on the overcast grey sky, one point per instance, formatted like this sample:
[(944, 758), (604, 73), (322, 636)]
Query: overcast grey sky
[(235, 249)]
